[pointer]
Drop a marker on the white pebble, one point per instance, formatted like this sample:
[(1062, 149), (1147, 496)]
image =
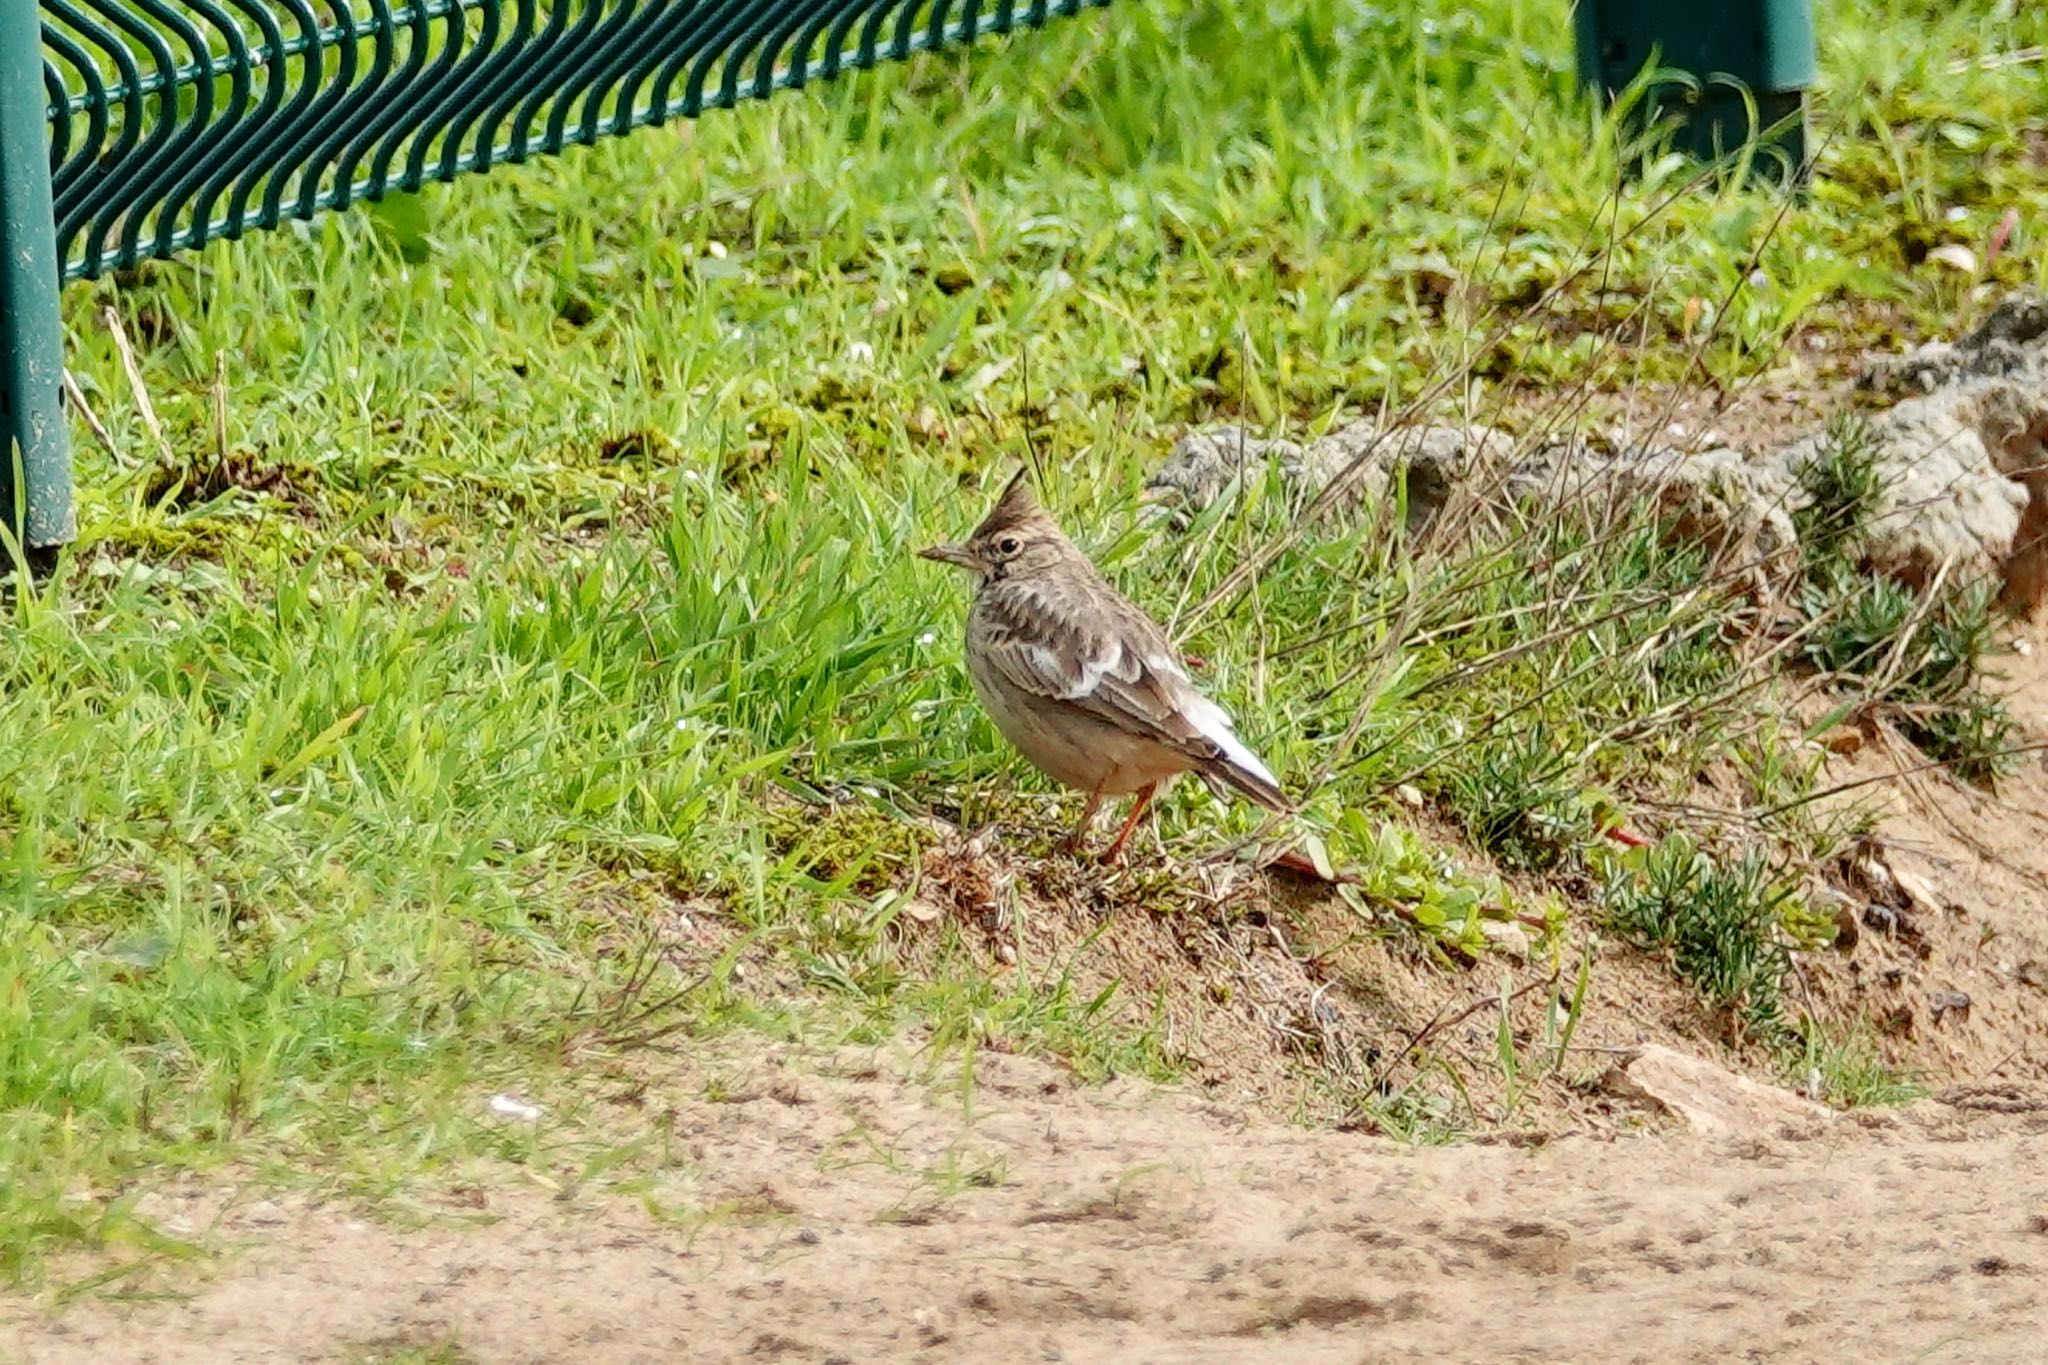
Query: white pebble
[(505, 1106)]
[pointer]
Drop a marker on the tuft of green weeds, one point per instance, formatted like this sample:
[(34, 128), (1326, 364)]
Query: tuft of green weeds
[(1446, 902), (1858, 619), (1520, 801), (1843, 487), (1845, 1067), (1921, 659), (1729, 926)]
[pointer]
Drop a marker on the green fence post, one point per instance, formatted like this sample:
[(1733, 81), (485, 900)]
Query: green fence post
[(1763, 47), (35, 450)]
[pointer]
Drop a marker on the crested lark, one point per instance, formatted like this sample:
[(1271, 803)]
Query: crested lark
[(1080, 679)]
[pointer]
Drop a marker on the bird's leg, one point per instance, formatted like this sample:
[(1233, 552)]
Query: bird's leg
[(1073, 840), (1138, 808)]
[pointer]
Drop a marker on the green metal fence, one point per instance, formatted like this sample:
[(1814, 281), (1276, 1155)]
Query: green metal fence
[(1735, 69), (138, 128)]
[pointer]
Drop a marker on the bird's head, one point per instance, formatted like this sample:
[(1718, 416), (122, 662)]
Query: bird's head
[(1016, 537)]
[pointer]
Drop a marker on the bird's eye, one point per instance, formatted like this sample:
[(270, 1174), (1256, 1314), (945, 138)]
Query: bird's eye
[(1008, 545)]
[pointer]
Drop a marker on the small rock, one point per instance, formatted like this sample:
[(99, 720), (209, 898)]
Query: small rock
[(512, 1107), (1942, 498), (1996, 348), (1963, 457), (1204, 466), (1708, 1098), (264, 1213), (1956, 256), (1719, 498), (1505, 936), (1436, 460), (1920, 897), (1842, 741), (1947, 1003)]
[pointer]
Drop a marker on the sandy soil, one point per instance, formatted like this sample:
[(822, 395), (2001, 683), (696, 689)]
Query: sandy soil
[(866, 1218), (1950, 957)]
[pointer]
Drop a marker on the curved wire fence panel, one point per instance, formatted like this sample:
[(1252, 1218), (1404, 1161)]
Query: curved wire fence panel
[(175, 122)]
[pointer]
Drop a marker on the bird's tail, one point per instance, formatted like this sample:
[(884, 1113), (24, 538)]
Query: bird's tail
[(1224, 762), (1225, 775)]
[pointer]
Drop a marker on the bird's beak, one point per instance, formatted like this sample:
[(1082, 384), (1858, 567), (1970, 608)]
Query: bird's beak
[(958, 555)]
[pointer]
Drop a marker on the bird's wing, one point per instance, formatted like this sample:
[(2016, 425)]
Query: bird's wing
[(1062, 643), (1088, 647)]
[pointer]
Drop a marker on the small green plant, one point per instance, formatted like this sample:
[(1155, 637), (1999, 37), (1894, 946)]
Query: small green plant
[(1857, 619), (1847, 1069), (1842, 484), (1394, 866), (1729, 927), (1972, 735), (1428, 1111), (1519, 799), (1924, 662)]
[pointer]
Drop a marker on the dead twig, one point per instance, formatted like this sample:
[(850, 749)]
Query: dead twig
[(1439, 1023), (76, 397), (112, 318)]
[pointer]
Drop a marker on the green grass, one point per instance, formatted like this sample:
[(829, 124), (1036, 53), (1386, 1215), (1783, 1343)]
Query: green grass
[(1729, 926), (1845, 1067), (554, 576), (401, 1352), (1917, 655), (1843, 486)]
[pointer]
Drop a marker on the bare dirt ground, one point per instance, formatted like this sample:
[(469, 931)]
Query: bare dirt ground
[(865, 1218), (1950, 960)]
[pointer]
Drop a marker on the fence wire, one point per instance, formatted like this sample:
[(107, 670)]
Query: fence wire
[(176, 122)]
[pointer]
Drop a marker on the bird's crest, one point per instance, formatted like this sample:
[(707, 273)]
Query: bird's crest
[(1018, 506)]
